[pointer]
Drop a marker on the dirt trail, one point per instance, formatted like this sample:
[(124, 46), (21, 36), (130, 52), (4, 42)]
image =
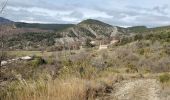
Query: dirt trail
[(141, 89)]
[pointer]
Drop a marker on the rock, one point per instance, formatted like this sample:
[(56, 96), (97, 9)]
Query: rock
[(26, 58), (3, 63)]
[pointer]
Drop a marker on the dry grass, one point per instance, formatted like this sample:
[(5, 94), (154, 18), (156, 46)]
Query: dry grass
[(28, 53), (84, 75), (164, 79), (72, 89), (59, 89)]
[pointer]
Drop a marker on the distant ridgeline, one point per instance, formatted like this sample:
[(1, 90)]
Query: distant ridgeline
[(35, 36), (55, 27), (5, 21)]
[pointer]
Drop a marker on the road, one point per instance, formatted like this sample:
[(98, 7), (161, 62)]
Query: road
[(140, 89)]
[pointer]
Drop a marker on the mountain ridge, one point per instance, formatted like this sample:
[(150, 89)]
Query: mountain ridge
[(5, 21), (30, 35), (64, 26)]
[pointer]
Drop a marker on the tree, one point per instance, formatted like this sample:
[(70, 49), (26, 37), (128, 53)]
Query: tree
[(3, 6), (88, 43)]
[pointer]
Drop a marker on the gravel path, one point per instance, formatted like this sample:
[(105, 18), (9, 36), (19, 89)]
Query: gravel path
[(141, 89)]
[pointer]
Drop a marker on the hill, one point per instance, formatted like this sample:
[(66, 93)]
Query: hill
[(137, 29), (93, 21), (92, 29), (55, 27), (9, 27), (69, 36), (5, 21)]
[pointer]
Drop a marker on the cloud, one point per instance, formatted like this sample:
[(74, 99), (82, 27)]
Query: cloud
[(116, 12)]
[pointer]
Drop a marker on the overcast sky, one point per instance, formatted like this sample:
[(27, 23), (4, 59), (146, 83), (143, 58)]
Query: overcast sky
[(150, 13)]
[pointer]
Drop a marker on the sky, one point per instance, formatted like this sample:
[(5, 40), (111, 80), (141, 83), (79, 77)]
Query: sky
[(126, 13)]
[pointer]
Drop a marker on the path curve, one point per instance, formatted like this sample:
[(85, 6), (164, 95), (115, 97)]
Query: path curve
[(139, 89)]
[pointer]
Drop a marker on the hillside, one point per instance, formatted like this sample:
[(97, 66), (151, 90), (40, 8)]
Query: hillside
[(5, 21), (55, 27), (144, 29), (9, 27), (136, 67), (92, 29), (22, 34), (57, 37), (137, 29), (93, 21)]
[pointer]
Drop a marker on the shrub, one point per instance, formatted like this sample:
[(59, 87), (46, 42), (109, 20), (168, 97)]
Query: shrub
[(164, 78), (138, 37), (167, 49), (131, 68), (37, 62), (51, 61), (88, 43)]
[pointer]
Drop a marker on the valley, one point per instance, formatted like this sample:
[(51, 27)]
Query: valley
[(91, 60)]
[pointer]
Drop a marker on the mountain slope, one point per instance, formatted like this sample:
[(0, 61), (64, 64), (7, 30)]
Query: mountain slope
[(93, 21), (55, 27), (9, 27), (137, 29), (5, 21), (93, 29), (71, 36), (23, 25)]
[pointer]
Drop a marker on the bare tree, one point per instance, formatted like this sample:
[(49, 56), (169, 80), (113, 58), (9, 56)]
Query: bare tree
[(2, 54), (3, 6)]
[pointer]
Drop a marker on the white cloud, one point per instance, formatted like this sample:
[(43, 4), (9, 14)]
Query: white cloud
[(88, 13), (115, 12), (41, 11)]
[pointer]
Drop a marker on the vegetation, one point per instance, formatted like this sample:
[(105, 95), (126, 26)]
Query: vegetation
[(86, 74), (138, 29), (164, 78), (162, 37), (31, 40), (92, 21), (79, 75), (55, 27)]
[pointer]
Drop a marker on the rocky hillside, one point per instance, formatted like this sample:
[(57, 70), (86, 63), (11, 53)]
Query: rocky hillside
[(92, 29), (85, 33)]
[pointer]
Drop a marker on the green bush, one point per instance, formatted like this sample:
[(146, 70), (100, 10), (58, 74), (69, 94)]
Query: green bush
[(51, 61), (38, 61), (131, 68), (164, 78)]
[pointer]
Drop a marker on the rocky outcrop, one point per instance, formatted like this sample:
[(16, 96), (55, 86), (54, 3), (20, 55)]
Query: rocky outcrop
[(92, 29)]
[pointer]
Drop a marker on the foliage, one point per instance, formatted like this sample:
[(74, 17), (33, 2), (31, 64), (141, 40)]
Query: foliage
[(162, 37), (131, 68), (37, 62), (56, 27), (146, 53), (88, 43), (164, 78), (138, 29), (33, 40)]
